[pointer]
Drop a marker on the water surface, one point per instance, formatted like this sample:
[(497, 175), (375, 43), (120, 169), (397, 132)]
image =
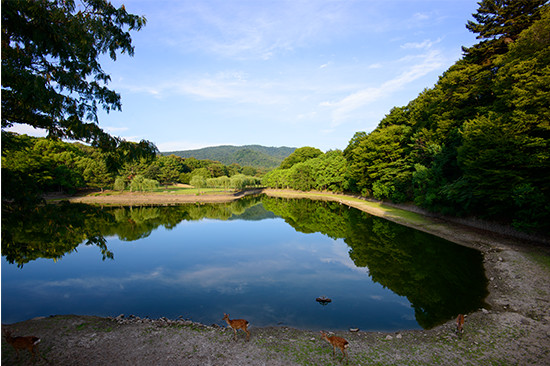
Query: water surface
[(263, 259)]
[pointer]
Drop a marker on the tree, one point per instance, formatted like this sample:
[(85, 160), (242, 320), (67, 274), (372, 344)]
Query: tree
[(140, 183), (198, 181), (119, 184), (96, 174), (300, 155), (51, 75), (170, 168), (477, 144), (499, 23)]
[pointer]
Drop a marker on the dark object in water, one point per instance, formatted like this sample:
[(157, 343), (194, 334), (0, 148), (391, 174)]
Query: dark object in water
[(323, 300)]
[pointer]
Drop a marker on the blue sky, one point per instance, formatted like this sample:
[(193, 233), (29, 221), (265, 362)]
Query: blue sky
[(278, 73)]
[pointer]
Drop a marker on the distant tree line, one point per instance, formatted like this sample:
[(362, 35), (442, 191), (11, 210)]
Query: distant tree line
[(49, 165), (476, 144)]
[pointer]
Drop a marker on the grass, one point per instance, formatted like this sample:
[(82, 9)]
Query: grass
[(541, 258), (171, 190), (95, 326), (191, 191), (388, 211)]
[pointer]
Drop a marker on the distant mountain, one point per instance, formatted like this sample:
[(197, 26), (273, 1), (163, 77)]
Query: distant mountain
[(256, 156)]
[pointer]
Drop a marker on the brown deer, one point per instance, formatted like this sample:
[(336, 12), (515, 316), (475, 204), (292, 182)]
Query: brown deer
[(460, 323), (237, 324), (336, 342), (30, 343)]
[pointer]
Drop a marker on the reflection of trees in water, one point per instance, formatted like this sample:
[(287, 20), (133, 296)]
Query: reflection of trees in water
[(50, 231), (439, 278)]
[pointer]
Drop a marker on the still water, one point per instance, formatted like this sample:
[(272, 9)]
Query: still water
[(263, 259)]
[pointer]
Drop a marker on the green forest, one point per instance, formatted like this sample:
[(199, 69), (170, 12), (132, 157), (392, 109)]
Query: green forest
[(257, 156), (476, 144)]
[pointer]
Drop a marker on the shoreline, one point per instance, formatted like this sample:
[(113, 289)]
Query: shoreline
[(515, 329)]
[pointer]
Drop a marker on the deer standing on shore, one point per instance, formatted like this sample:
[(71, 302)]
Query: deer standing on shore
[(460, 324), (336, 342), (30, 343), (237, 324)]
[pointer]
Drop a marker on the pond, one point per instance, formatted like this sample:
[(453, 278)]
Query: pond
[(260, 258)]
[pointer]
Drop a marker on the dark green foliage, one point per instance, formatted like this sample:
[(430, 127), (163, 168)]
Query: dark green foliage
[(256, 156), (429, 271), (52, 79), (478, 143), (499, 23), (379, 161), (48, 165), (45, 165), (51, 75), (51, 231)]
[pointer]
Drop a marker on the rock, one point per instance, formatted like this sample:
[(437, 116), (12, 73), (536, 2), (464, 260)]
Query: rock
[(398, 336), (389, 337)]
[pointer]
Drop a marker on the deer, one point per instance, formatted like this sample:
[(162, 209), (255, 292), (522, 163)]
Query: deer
[(336, 341), (460, 324), (237, 324), (30, 343)]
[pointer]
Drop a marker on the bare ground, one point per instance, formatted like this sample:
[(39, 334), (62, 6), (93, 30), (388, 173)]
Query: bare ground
[(514, 330)]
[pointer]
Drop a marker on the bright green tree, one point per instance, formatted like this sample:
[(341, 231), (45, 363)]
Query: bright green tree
[(300, 155)]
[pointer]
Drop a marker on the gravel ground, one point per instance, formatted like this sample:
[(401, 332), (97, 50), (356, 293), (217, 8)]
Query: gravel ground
[(513, 330)]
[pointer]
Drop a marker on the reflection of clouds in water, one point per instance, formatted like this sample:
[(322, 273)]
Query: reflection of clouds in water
[(404, 302), (295, 262), (99, 284), (223, 279), (339, 253)]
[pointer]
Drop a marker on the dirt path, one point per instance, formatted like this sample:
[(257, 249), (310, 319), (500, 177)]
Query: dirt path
[(515, 330)]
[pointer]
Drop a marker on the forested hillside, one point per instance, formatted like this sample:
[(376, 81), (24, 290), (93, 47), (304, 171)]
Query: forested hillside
[(476, 144), (257, 156), (46, 165)]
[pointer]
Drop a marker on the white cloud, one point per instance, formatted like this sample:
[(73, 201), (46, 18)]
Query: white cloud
[(252, 30), (426, 44), (342, 109), (227, 85), (23, 129), (421, 16)]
